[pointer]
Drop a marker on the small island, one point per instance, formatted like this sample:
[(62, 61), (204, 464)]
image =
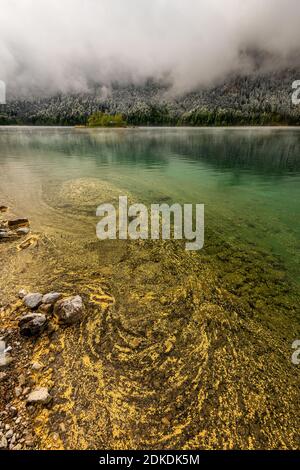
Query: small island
[(101, 119)]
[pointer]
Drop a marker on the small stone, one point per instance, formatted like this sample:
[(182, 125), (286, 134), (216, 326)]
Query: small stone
[(62, 427), (5, 234), (5, 358), (18, 223), (22, 379), (18, 391), (39, 395), (3, 441), (37, 366), (32, 324), (3, 376), (9, 434), (69, 310), (23, 230), (13, 411), (33, 300), (18, 420), (22, 293), (46, 308), (7, 427), (3, 208), (26, 391), (51, 298)]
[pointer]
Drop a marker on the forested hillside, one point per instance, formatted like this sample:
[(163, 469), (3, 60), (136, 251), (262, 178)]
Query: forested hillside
[(257, 99)]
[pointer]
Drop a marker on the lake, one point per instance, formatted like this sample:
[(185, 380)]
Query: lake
[(172, 324)]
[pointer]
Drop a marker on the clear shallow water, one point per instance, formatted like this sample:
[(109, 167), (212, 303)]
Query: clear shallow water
[(173, 344), (248, 179)]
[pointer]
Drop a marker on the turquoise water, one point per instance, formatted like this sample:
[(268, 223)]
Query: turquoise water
[(248, 179)]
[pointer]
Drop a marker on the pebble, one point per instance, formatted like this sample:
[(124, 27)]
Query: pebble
[(3, 441), (37, 366), (21, 379), (9, 434), (13, 411), (39, 395), (18, 391), (22, 293), (62, 427)]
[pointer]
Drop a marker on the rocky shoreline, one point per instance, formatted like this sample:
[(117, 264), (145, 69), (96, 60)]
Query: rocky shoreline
[(35, 314)]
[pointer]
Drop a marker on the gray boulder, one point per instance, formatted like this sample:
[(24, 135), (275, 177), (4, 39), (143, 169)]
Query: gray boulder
[(51, 298), (32, 324), (69, 310), (33, 300)]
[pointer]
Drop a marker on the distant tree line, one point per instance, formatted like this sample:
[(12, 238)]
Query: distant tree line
[(160, 117), (263, 99)]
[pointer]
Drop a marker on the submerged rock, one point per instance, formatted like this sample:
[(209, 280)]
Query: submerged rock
[(7, 235), (33, 300), (69, 310), (39, 395), (14, 223), (51, 298), (23, 230), (32, 324)]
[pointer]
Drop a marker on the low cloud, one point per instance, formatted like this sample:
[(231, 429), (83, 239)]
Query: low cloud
[(67, 45)]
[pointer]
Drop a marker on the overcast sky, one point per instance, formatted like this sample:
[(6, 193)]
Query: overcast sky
[(62, 45)]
